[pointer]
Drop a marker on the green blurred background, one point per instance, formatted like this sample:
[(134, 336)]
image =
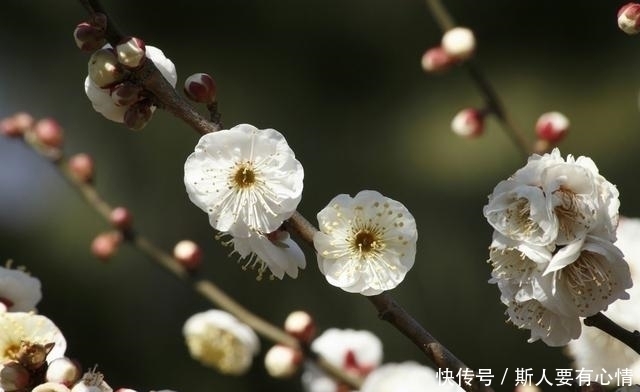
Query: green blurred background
[(342, 80)]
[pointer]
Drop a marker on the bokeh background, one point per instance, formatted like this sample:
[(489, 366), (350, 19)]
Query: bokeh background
[(342, 80)]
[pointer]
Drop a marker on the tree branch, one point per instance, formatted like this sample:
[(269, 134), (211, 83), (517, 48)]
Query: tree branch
[(605, 324)]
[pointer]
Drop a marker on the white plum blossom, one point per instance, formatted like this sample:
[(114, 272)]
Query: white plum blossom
[(598, 350), (101, 99), (19, 291), (366, 244), (406, 377), (22, 330), (217, 339), (275, 251), (552, 254), (246, 179), (355, 351)]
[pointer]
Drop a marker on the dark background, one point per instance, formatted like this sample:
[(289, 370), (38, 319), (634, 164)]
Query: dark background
[(342, 80)]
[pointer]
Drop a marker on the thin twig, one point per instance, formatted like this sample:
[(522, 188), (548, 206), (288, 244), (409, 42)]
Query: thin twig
[(492, 101), (605, 324)]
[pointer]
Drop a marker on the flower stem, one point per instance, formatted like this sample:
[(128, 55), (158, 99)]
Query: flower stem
[(605, 324)]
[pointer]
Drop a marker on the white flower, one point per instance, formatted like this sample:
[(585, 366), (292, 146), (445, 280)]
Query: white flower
[(19, 291), (357, 352), (275, 251), (246, 179), (406, 377), (217, 339), (101, 97), (366, 244), (19, 331), (598, 350)]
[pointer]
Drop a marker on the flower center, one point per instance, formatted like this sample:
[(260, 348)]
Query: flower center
[(366, 241), (585, 271), (244, 175), (221, 350)]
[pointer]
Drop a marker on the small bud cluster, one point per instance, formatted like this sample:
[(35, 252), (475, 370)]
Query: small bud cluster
[(108, 84), (457, 45), (283, 361), (45, 134)]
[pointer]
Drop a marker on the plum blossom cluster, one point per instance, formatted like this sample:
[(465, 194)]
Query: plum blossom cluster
[(553, 253), (595, 349), (249, 182), (366, 244)]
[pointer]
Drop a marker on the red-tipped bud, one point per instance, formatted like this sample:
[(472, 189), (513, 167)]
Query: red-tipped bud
[(200, 87), (459, 43), (105, 245), (437, 60), (104, 69), (121, 218), (14, 377), (552, 127), (125, 94), (99, 20), (282, 361), (188, 253), (89, 37), (16, 125), (629, 18), (49, 133), (131, 52), (468, 123), (82, 167), (300, 325), (64, 371), (138, 115)]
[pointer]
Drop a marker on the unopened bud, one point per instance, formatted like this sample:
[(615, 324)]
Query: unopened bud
[(126, 390), (13, 377), (459, 43), (125, 94), (138, 115), (200, 87), (99, 20), (82, 167), (104, 69), (629, 18), (16, 125), (300, 325), (121, 218), (468, 123), (50, 387), (89, 37), (49, 133), (105, 245), (282, 361), (552, 127), (131, 52), (437, 59), (188, 253), (64, 371)]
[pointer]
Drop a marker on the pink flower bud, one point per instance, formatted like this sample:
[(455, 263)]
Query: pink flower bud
[(300, 325), (437, 59), (64, 371), (121, 218), (468, 123), (105, 245), (125, 94), (138, 115), (552, 127), (104, 69), (49, 133), (82, 167), (629, 18), (16, 125), (282, 361), (131, 52), (13, 377), (459, 43), (200, 87), (88, 37), (188, 253)]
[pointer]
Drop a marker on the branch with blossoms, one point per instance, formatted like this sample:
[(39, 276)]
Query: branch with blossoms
[(555, 253)]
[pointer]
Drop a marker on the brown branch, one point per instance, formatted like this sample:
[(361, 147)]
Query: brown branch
[(605, 324)]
